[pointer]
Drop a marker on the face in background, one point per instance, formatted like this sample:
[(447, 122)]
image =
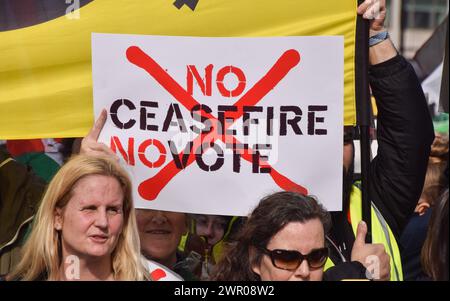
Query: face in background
[(160, 233), (301, 237), (92, 220), (212, 227), (348, 156)]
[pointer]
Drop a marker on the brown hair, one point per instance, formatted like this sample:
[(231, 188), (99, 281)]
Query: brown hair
[(435, 249), (435, 181), (267, 219)]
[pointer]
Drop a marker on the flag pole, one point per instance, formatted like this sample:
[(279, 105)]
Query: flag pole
[(363, 111)]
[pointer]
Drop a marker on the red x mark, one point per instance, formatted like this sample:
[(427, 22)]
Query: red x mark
[(150, 188)]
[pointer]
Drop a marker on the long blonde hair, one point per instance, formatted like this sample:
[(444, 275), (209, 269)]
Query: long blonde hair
[(42, 255)]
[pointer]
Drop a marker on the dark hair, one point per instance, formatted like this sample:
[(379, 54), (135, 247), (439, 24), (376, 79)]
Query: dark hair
[(349, 134), (435, 249), (267, 219)]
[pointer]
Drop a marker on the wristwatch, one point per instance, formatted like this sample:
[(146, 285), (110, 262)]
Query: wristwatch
[(378, 38)]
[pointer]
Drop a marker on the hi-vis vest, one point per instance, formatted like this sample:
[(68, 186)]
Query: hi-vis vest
[(381, 232)]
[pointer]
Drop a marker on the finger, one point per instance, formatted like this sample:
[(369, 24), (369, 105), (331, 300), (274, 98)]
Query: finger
[(372, 11), (375, 12), (363, 6), (361, 233), (107, 150), (98, 126), (378, 22), (101, 147), (91, 145), (102, 154), (386, 274), (379, 247)]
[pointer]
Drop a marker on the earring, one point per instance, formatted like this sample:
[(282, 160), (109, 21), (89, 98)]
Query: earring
[(58, 226)]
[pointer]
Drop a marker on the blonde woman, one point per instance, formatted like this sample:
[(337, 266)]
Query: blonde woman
[(85, 228)]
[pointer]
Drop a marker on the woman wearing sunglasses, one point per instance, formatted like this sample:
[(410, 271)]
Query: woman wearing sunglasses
[(283, 239)]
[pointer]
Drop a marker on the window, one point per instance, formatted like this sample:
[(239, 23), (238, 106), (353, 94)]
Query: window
[(424, 14)]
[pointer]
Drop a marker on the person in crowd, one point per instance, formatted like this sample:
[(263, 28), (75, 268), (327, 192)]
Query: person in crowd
[(207, 236), (435, 181), (20, 194), (85, 227), (160, 233), (405, 134), (413, 237), (283, 239), (435, 255), (211, 227), (21, 191)]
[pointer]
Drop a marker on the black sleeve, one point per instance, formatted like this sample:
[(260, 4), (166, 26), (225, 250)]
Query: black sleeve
[(405, 134), (345, 271)]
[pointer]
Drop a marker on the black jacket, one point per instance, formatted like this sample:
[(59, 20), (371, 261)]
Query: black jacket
[(405, 134), (345, 271)]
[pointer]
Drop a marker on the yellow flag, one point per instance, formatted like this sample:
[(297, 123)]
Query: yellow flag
[(45, 69)]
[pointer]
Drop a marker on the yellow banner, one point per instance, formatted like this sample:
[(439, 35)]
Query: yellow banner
[(45, 69)]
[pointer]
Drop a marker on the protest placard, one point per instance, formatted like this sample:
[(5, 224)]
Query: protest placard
[(210, 125)]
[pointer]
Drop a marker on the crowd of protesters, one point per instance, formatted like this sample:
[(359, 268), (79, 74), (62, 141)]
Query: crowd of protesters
[(86, 213)]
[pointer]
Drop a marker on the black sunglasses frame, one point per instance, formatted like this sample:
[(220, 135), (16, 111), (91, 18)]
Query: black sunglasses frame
[(300, 257)]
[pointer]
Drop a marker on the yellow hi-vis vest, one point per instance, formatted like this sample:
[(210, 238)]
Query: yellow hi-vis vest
[(381, 233)]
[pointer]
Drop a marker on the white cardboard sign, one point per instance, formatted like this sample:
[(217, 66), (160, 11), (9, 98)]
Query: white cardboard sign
[(211, 125)]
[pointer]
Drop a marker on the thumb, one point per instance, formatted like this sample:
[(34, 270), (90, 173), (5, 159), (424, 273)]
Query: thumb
[(361, 232)]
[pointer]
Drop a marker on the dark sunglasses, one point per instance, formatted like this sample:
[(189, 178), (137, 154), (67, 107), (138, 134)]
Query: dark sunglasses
[(290, 260)]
